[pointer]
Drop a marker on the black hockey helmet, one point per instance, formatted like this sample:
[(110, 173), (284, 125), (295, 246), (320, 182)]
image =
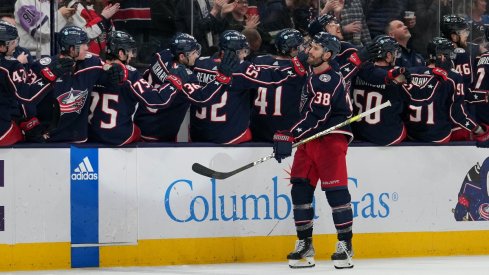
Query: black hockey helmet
[(452, 23), (319, 23), (329, 42), (386, 45), (287, 40), (232, 40), (184, 43), (441, 45), (119, 40), (8, 32), (71, 36)]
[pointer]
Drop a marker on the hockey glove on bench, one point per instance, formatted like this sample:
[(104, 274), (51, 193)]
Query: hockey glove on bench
[(282, 145)]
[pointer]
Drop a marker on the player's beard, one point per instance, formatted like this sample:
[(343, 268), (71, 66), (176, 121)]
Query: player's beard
[(315, 61)]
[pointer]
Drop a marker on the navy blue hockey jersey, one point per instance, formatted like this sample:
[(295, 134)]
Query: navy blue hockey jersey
[(384, 127), (436, 106), (17, 83), (163, 124), (70, 94), (275, 108), (481, 87), (325, 104), (226, 118), (113, 106)]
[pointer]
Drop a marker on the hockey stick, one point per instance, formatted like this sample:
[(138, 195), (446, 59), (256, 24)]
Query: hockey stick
[(204, 171)]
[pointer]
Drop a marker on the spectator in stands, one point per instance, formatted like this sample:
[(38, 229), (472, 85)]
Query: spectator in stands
[(352, 20), (33, 23), (162, 25), (408, 57), (379, 13), (475, 10), (254, 40), (274, 16), (301, 14), (205, 22), (134, 17), (96, 26), (427, 25)]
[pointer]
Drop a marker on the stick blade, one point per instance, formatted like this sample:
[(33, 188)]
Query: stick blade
[(207, 172)]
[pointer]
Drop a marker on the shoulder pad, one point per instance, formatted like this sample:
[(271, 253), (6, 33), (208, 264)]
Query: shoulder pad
[(130, 68), (45, 61), (459, 50)]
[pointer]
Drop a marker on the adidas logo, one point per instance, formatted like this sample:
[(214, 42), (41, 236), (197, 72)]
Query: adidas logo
[(84, 171)]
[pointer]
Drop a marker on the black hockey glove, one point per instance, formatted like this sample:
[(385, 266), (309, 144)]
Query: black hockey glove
[(181, 72), (33, 130), (365, 54), (282, 145), (300, 63), (398, 76), (229, 64), (58, 67), (117, 73)]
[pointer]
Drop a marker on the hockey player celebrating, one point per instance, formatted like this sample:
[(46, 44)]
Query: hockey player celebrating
[(437, 103), (164, 124), (321, 159), (278, 108), (15, 85), (113, 103), (378, 83), (69, 94), (457, 30), (349, 59), (225, 119), (482, 84)]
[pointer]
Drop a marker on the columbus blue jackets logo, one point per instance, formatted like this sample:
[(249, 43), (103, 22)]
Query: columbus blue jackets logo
[(72, 101), (473, 198)]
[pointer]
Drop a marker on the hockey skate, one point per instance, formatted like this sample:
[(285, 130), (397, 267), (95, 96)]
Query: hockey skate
[(342, 258), (303, 254)]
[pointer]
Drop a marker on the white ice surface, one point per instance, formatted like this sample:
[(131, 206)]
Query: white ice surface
[(473, 265)]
